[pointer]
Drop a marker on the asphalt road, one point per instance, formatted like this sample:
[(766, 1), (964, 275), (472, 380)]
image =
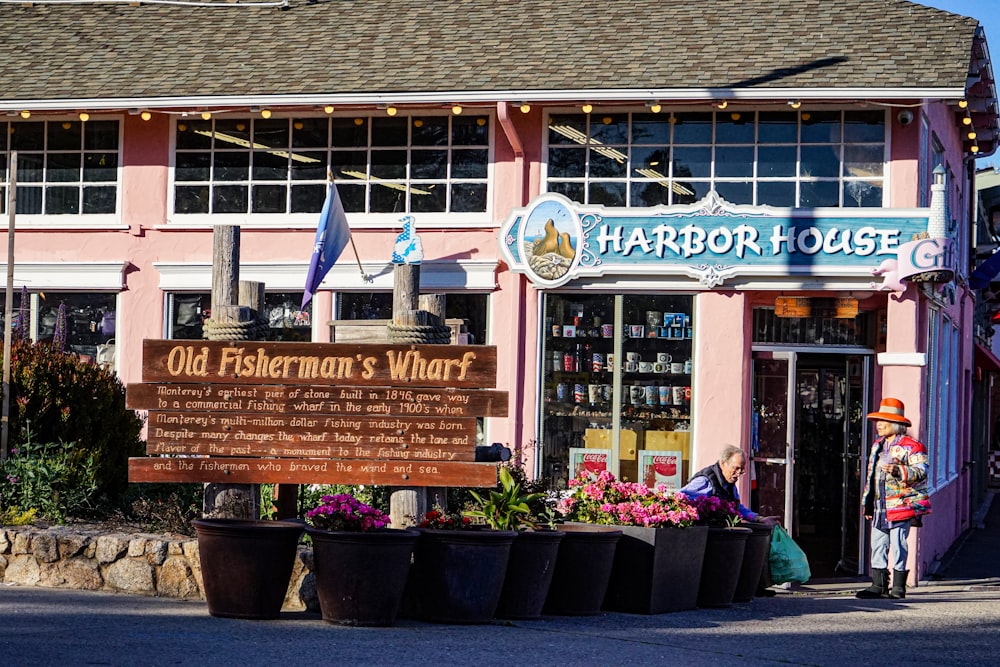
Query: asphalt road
[(947, 623)]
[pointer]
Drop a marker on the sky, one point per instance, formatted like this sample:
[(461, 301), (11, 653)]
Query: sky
[(990, 20)]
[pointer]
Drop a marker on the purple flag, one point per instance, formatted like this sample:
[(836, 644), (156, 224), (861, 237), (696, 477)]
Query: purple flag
[(332, 236)]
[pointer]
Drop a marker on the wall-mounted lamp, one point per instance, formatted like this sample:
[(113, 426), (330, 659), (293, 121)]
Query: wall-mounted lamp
[(587, 108), (206, 115), (391, 110), (456, 109), (721, 104), (265, 113), (655, 107), (795, 104), (328, 108), (25, 114), (145, 115), (525, 107), (84, 116), (962, 104)]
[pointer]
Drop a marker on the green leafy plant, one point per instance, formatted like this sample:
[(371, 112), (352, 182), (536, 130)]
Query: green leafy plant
[(439, 518), (55, 479), (506, 509), (13, 516)]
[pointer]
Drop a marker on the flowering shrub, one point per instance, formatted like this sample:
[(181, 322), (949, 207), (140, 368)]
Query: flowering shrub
[(602, 499), (715, 511), (439, 519), (346, 513)]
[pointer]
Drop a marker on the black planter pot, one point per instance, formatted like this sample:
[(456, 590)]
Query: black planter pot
[(529, 574), (720, 570), (582, 570), (657, 570), (754, 557), (361, 576), (246, 565), (457, 575)]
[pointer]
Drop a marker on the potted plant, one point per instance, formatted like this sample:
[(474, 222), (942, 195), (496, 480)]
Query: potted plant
[(658, 559), (724, 550), (533, 552), (361, 565), (458, 569), (246, 565)]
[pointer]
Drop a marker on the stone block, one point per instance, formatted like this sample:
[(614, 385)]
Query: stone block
[(156, 551), (110, 548), (72, 544), (133, 575), (21, 543), (80, 573), (23, 570), (176, 580), (44, 547)]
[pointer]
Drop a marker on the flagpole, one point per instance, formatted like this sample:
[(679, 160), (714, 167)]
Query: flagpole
[(364, 276)]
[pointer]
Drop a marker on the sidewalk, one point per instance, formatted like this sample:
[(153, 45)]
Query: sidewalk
[(975, 556)]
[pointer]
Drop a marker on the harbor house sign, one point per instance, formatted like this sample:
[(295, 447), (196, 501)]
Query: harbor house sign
[(554, 240)]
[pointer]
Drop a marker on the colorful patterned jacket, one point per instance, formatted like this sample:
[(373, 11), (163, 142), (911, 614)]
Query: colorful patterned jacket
[(905, 489)]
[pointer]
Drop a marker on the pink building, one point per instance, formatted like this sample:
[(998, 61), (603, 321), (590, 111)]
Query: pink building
[(681, 227)]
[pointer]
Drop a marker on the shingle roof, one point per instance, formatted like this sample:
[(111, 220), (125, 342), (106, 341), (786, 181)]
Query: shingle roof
[(100, 51)]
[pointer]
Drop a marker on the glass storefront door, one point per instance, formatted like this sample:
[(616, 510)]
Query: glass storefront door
[(808, 450), (616, 386)]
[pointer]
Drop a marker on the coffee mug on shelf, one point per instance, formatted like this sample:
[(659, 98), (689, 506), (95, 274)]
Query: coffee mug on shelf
[(677, 367), (608, 330), (636, 330), (645, 366), (631, 356), (569, 331), (664, 357), (659, 367), (631, 367)]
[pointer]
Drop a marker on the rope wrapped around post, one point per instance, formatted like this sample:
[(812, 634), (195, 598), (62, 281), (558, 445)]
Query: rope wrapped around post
[(253, 330), (419, 334)]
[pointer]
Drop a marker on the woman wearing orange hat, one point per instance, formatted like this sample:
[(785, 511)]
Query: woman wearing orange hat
[(895, 494)]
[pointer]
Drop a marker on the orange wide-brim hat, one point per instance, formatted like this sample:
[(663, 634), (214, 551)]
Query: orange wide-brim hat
[(890, 410)]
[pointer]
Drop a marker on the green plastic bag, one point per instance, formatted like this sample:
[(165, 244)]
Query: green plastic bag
[(788, 561)]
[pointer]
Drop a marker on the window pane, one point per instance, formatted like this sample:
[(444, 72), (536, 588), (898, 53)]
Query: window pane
[(30, 168), (189, 314), (385, 199), (431, 131), (574, 191), (350, 164), (864, 126), (776, 194), (693, 128), (62, 200), (27, 137), (100, 167), (29, 200), (63, 167), (820, 127), (310, 132), (734, 128), (272, 132), (608, 163), (353, 197), (609, 129), (469, 163), (608, 194), (232, 133), (734, 161), (428, 198), (286, 321), (470, 131), (231, 166), (349, 132), (650, 162), (650, 194), (229, 199), (776, 161), (193, 167), (567, 162), (194, 134), (777, 127), (735, 193), (308, 166), (820, 193), (468, 197), (863, 193), (100, 135), (64, 136), (269, 167), (310, 198), (99, 199), (688, 192), (650, 129), (567, 130), (429, 164), (5, 129), (388, 131), (191, 199), (389, 164), (269, 198), (820, 161), (692, 162), (863, 160)]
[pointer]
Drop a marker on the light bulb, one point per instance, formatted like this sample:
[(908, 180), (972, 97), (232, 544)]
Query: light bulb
[(587, 108), (655, 107), (457, 109), (328, 108), (795, 104), (26, 114), (84, 116), (972, 134), (391, 111), (525, 108), (963, 104), (966, 121), (722, 105), (974, 149), (265, 113), (145, 115), (206, 115)]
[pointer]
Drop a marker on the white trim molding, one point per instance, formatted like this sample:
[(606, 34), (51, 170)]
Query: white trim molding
[(470, 275), (69, 276), (901, 359)]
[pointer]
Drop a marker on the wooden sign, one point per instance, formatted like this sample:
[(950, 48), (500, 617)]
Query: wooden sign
[(331, 364), (840, 308), (312, 471), (318, 400), (229, 434)]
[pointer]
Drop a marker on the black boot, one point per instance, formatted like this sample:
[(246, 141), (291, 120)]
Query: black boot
[(879, 587), (898, 591)]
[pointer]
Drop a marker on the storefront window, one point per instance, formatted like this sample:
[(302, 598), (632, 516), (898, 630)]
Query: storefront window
[(471, 308), (286, 320), (616, 386), (90, 320)]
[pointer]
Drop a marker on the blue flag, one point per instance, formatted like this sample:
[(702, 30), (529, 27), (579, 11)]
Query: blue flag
[(332, 236)]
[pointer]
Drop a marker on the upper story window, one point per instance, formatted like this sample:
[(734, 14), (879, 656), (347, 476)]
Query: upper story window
[(398, 164), (64, 167), (774, 158)]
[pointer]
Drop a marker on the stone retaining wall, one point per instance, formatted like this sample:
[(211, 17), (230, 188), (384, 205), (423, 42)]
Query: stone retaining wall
[(90, 558)]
